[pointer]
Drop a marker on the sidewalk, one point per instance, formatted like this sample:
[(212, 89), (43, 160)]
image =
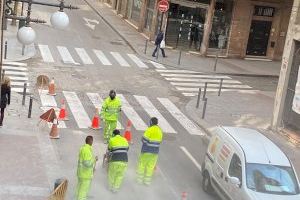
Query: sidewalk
[(14, 47), (243, 110), (29, 164), (188, 61)]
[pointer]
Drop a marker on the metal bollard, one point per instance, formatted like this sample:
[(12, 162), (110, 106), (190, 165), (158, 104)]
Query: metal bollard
[(220, 87), (5, 50), (24, 94), (3, 74), (30, 107), (158, 49), (204, 108), (198, 98), (216, 62), (23, 50), (179, 58), (204, 93), (146, 47)]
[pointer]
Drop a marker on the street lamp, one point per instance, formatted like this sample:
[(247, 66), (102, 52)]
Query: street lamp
[(59, 20), (26, 35)]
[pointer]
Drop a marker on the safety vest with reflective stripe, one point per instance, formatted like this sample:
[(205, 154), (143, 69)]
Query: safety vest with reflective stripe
[(152, 139), (111, 109), (86, 162), (118, 147)]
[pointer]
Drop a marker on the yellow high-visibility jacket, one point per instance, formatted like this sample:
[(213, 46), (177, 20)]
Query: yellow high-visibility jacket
[(111, 109), (86, 162)]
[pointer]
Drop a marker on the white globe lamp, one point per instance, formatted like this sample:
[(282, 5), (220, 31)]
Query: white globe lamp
[(59, 20), (26, 35)]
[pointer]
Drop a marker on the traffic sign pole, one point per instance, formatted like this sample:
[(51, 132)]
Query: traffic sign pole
[(163, 6)]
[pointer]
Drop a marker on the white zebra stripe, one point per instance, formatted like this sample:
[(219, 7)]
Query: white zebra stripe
[(120, 59), (65, 55), (177, 71), (85, 58), (157, 65), (14, 63), (46, 53), (103, 59), (14, 68), (137, 61)]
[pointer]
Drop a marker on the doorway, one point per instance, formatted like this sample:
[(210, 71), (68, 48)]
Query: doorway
[(259, 38)]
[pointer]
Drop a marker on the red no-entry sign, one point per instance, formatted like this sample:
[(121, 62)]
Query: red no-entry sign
[(163, 6)]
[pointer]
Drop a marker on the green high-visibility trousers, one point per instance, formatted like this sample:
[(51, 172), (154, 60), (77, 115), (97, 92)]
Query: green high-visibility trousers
[(116, 172), (109, 127), (146, 165), (83, 188)]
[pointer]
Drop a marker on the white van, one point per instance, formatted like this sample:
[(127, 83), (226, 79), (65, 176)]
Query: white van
[(242, 164)]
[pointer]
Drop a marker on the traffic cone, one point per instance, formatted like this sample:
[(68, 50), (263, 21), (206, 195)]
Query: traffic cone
[(51, 88), (54, 130), (96, 121), (63, 113), (184, 196), (127, 134)]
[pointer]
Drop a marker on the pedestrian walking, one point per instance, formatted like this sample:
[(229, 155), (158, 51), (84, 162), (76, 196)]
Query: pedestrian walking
[(5, 97), (110, 114), (118, 148), (147, 161), (85, 169), (160, 43)]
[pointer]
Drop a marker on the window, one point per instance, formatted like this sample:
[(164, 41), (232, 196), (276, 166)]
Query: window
[(235, 168)]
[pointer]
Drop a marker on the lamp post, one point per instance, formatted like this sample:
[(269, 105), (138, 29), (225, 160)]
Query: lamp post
[(26, 35)]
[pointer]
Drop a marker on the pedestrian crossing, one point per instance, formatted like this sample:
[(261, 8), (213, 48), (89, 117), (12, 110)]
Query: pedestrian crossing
[(188, 82), (138, 109), (80, 56), (18, 74)]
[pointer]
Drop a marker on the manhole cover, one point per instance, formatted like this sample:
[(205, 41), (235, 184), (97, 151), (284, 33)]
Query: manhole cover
[(116, 43)]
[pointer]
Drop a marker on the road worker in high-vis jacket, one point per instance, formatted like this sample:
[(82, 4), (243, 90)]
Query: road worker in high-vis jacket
[(85, 169), (110, 113), (147, 161), (118, 148)]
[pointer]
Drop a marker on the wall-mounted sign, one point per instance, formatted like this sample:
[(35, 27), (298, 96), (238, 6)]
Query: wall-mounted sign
[(264, 11)]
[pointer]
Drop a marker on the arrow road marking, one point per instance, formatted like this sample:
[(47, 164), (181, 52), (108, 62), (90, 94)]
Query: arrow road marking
[(89, 23)]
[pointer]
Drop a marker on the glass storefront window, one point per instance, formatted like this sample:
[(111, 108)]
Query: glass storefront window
[(221, 24), (136, 10), (149, 14)]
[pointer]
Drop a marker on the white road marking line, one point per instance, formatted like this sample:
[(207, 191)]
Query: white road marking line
[(177, 71), (14, 63), (103, 59), (137, 61), (97, 101), (180, 117), (131, 114), (210, 85), (157, 65), (65, 55), (189, 94), (202, 80), (21, 190), (48, 102), (16, 78), (210, 90), (84, 56), (19, 90), (196, 76), (18, 83), (187, 153), (76, 107), (153, 112), (120, 59), (6, 67), (46, 53), (16, 73)]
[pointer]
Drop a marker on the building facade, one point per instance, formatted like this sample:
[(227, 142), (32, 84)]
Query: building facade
[(287, 101), (234, 28)]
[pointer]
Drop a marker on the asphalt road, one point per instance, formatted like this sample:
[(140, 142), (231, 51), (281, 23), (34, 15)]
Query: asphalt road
[(181, 152)]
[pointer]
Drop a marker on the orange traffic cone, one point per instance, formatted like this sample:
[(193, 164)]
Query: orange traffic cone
[(63, 113), (184, 196), (54, 130), (51, 88), (127, 133), (96, 121)]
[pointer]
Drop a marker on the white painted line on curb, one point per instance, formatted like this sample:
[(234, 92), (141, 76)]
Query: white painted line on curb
[(120, 59), (153, 112), (84, 56), (101, 56), (131, 114), (46, 53), (213, 90), (76, 107), (137, 61), (16, 73), (187, 153), (180, 117), (14, 63), (97, 101), (14, 68)]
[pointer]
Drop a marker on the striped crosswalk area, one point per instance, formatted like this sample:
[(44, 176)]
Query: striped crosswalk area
[(81, 56), (18, 74), (188, 82), (134, 108)]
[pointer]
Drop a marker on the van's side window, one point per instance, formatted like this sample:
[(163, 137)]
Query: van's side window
[(235, 168)]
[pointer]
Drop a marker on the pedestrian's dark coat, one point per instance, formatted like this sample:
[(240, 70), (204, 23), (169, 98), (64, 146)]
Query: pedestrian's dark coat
[(159, 38), (5, 96)]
